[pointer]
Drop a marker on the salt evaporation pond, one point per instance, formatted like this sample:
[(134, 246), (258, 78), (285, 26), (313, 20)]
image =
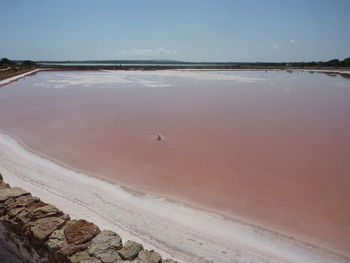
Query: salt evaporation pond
[(269, 148)]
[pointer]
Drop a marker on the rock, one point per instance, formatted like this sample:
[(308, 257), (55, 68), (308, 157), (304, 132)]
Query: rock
[(56, 240), (70, 249), (105, 246), (81, 232), (44, 211), (25, 200), (16, 212), (92, 260), (42, 228), (111, 257), (130, 250), (78, 257), (149, 257), (66, 241), (7, 193), (65, 217), (82, 256), (2, 183), (169, 261), (14, 205), (61, 251)]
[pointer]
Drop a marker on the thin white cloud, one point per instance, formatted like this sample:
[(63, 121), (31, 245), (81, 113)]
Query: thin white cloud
[(275, 46), (136, 52), (292, 41)]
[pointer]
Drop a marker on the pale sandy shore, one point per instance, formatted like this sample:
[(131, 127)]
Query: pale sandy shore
[(14, 78), (175, 229)]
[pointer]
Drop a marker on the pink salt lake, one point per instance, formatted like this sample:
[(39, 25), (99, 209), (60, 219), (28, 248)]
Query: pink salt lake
[(269, 148)]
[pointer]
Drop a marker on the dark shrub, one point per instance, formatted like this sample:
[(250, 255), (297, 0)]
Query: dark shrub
[(28, 63), (7, 62)]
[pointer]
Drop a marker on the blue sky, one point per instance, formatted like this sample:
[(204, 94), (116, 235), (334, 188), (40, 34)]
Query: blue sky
[(190, 30)]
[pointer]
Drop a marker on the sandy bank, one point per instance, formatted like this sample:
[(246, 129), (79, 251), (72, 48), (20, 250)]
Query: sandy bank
[(179, 231), (16, 77)]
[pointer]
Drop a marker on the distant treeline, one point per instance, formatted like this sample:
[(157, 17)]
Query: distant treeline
[(12, 63), (330, 63)]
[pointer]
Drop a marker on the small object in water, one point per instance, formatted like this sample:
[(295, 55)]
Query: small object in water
[(159, 137)]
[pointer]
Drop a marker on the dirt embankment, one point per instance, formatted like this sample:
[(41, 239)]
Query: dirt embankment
[(8, 72)]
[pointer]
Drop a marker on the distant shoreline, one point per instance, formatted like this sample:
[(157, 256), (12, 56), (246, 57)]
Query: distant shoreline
[(14, 73), (179, 66)]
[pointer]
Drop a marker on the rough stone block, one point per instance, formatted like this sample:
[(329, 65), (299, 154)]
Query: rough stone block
[(42, 228), (7, 193), (81, 232), (105, 246), (149, 257), (130, 250)]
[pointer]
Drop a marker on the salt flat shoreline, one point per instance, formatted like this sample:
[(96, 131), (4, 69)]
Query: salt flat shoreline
[(175, 229), (15, 77)]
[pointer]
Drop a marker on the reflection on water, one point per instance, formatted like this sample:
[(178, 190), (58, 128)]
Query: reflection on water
[(271, 147)]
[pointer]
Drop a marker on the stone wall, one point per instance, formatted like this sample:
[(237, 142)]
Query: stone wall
[(32, 231)]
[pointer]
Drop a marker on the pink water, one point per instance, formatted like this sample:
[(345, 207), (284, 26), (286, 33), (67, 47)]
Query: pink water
[(271, 148)]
